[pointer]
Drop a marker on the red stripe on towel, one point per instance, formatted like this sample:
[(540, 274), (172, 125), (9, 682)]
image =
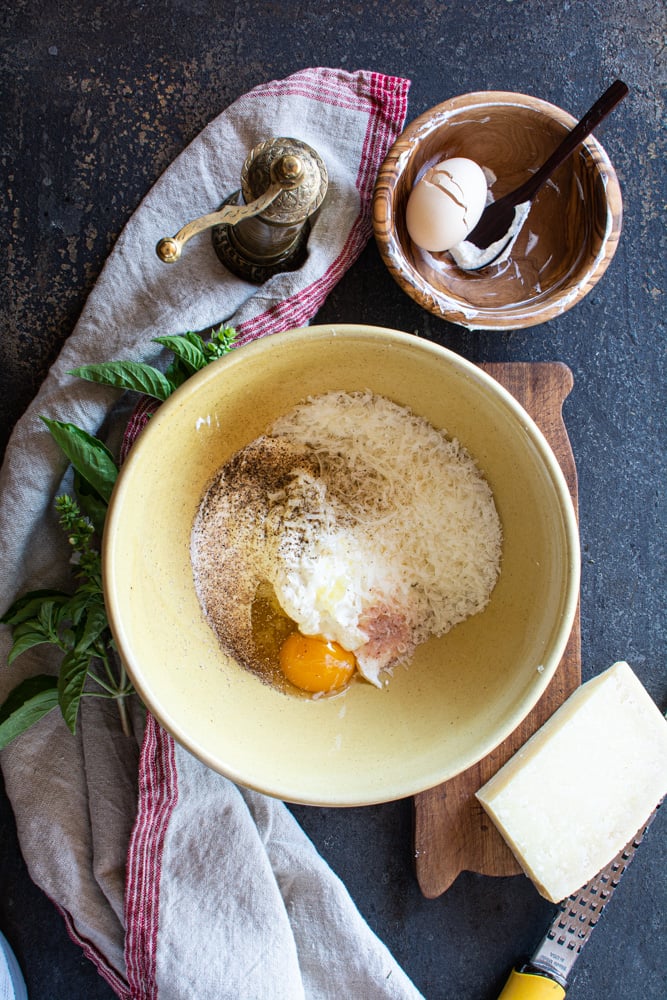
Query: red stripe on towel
[(330, 86), (107, 972), (158, 795), (140, 416)]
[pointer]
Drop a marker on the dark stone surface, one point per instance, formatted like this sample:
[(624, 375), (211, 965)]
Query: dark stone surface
[(97, 99)]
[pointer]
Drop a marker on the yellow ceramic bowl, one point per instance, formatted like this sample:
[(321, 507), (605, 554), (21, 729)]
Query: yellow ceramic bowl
[(566, 243), (461, 695)]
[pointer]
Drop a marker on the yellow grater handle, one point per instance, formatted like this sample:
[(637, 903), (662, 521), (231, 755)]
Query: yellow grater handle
[(527, 986)]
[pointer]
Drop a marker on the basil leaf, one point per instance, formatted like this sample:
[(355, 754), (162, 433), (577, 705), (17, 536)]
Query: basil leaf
[(89, 456), (73, 672), (132, 375), (94, 624), (27, 635), (29, 605), (79, 604), (179, 371), (76, 609), (27, 704), (67, 639), (194, 338), (91, 503), (51, 617), (191, 352)]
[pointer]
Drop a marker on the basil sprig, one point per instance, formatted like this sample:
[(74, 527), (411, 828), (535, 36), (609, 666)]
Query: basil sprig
[(76, 623)]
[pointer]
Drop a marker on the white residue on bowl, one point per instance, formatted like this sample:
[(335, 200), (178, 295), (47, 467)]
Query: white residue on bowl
[(469, 257)]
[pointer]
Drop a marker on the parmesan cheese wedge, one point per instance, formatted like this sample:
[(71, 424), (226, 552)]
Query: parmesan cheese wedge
[(582, 786)]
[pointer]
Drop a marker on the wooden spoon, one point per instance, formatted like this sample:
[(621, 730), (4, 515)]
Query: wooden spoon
[(497, 217)]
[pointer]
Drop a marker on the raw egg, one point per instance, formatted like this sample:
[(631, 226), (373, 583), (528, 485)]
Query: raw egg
[(446, 204), (315, 664)]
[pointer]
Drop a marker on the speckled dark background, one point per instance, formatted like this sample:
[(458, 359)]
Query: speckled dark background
[(98, 98)]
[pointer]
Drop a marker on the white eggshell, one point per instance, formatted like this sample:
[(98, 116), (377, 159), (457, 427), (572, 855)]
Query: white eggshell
[(446, 204)]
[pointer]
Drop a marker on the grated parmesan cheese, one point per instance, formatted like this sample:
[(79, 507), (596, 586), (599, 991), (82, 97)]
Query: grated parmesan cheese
[(372, 528), (405, 522)]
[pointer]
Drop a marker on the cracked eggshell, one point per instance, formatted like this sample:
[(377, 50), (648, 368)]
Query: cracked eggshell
[(446, 204)]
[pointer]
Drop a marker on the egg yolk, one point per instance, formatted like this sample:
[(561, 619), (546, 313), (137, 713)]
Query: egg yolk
[(315, 664)]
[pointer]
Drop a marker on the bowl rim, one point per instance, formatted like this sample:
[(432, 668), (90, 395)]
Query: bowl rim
[(440, 303), (286, 790)]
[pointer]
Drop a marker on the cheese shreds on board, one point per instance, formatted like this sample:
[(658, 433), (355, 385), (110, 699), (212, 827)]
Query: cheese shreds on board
[(582, 786)]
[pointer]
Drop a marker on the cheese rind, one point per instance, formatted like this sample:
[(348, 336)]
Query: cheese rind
[(579, 790)]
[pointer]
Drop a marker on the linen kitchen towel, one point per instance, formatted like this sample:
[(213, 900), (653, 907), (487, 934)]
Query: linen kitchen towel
[(178, 884)]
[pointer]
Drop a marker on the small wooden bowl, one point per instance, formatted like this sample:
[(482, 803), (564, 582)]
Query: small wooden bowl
[(566, 243)]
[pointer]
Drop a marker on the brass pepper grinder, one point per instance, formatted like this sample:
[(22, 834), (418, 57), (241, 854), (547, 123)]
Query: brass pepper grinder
[(262, 229)]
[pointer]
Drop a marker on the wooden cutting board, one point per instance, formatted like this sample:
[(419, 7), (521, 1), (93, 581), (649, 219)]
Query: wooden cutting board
[(452, 833)]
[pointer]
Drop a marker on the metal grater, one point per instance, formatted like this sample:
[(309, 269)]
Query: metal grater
[(577, 917)]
